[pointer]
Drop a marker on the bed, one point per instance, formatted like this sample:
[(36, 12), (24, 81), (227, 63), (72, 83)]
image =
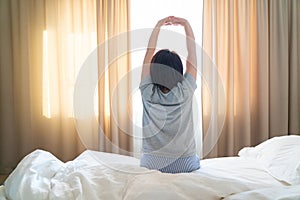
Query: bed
[(270, 170)]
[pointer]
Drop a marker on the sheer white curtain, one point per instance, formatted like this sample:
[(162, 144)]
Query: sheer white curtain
[(115, 125)]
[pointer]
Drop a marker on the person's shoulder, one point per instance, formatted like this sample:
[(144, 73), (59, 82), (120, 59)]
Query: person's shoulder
[(189, 81), (145, 82), (189, 77), (146, 88)]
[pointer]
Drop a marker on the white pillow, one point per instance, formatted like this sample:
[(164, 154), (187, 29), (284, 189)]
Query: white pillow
[(279, 155)]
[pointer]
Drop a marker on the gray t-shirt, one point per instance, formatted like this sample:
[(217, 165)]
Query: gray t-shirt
[(168, 119)]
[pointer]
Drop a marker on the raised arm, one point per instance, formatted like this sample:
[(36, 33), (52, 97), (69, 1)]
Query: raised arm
[(191, 61), (152, 45)]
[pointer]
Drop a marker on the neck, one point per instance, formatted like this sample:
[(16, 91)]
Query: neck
[(165, 90)]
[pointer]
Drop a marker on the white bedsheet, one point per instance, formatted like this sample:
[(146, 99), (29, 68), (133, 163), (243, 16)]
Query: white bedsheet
[(2, 193), (240, 169), (95, 175), (272, 193)]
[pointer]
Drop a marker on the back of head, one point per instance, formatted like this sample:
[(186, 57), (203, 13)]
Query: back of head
[(166, 69)]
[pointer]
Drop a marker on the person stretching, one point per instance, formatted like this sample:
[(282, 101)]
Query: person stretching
[(168, 133)]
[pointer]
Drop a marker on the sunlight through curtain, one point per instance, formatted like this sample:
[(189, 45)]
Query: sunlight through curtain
[(115, 125), (43, 44)]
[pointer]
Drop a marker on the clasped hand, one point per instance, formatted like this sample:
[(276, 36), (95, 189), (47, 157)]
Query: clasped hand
[(171, 20)]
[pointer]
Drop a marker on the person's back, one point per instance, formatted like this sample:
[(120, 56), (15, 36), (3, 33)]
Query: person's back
[(168, 133)]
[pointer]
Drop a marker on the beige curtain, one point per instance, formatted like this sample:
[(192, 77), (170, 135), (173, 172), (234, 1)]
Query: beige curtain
[(114, 77), (44, 44), (284, 67), (251, 73)]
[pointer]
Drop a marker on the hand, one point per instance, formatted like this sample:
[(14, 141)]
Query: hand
[(179, 21), (171, 20), (165, 21), (191, 62)]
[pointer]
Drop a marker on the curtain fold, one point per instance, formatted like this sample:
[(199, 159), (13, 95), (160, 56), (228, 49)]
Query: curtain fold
[(114, 77), (251, 48), (43, 44), (284, 67)]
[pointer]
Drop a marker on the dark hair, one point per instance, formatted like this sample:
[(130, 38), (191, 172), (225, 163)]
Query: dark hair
[(166, 69)]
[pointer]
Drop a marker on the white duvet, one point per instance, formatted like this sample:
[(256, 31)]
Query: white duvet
[(96, 175)]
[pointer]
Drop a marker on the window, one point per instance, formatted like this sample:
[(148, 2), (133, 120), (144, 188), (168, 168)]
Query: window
[(145, 14), (62, 68)]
